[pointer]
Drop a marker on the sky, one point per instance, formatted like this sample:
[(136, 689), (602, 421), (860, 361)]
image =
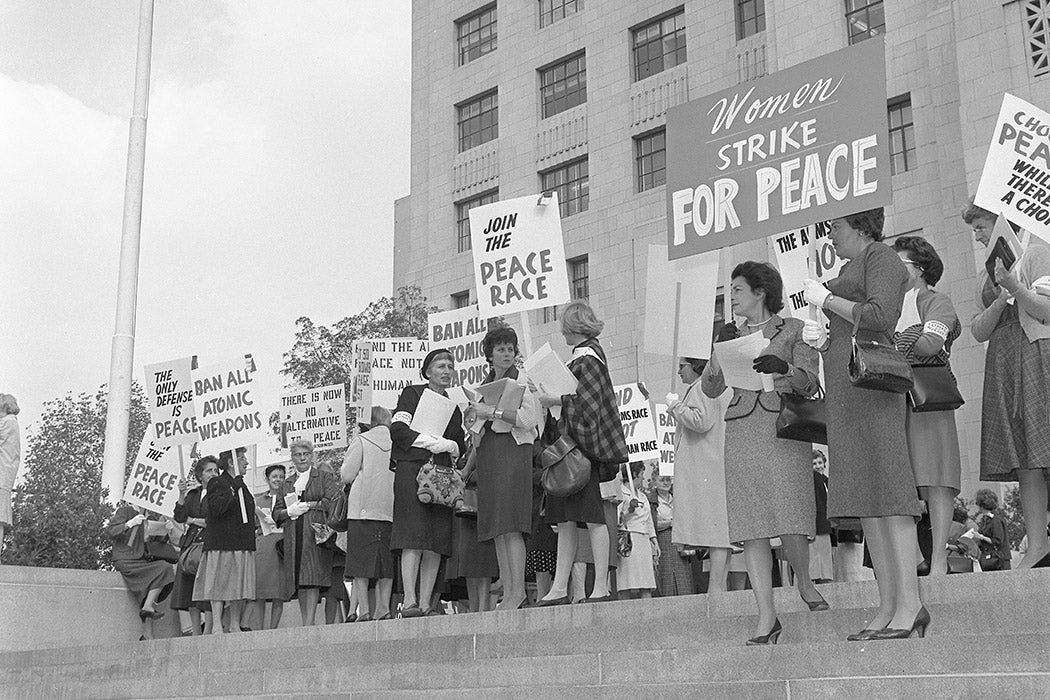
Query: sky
[(278, 140)]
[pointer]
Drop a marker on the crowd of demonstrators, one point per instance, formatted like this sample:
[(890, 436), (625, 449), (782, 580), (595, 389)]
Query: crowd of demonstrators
[(10, 457)]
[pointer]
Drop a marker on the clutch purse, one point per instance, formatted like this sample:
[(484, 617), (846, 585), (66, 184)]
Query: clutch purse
[(566, 470), (878, 366), (934, 389), (802, 419)]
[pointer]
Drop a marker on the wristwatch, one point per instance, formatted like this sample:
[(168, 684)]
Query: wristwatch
[(498, 414)]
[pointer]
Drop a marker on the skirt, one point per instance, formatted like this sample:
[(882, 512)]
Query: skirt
[(821, 566), (674, 574), (933, 445), (584, 506), (636, 571), (540, 561), (417, 525), (141, 577), (368, 552), (504, 486), (471, 558), (271, 581), (226, 576), (182, 592)]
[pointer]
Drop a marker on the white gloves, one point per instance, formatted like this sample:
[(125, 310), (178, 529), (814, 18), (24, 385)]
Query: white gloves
[(437, 445), (297, 510), (814, 334), (137, 520), (815, 293), (671, 399)]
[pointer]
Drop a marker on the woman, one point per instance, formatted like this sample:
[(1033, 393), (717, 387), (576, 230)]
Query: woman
[(925, 332), (271, 582), (10, 456), (702, 517), (674, 575), (227, 568), (591, 418), (190, 511), (871, 476), (769, 486), (473, 559), (1015, 444), (635, 576), (821, 559), (149, 580), (503, 461), (991, 533), (370, 511), (423, 532), (308, 495)]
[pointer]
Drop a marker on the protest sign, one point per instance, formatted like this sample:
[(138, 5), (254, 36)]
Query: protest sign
[(1016, 175), (801, 254), (227, 414), (519, 256), (393, 364), (170, 395), (317, 415), (688, 286), (154, 480), (804, 144), (461, 331), (665, 427), (636, 416)]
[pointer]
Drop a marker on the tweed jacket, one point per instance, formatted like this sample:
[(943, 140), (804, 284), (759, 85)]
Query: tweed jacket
[(591, 415)]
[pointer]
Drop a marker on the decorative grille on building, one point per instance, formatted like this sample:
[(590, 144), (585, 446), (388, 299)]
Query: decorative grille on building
[(1037, 35)]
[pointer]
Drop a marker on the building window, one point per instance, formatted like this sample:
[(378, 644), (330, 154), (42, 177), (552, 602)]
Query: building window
[(902, 136), (463, 220), (563, 85), (650, 158), (658, 45), (750, 18), (553, 10), (579, 280), (461, 300), (571, 183), (864, 19), (1037, 35), (476, 34), (478, 120)]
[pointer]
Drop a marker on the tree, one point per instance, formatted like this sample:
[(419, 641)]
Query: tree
[(1013, 515), (60, 508)]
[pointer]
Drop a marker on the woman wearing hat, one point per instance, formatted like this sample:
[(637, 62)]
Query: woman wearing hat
[(423, 532)]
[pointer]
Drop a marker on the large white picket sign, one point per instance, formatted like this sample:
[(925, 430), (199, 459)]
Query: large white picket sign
[(227, 413), (393, 364), (169, 390), (461, 331), (801, 254), (636, 416), (154, 480), (317, 415)]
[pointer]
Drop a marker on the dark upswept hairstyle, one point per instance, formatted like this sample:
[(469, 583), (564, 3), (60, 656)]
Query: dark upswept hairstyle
[(972, 211), (765, 278), (987, 499), (696, 363), (501, 335), (920, 252), (869, 223), (273, 468), (198, 466)]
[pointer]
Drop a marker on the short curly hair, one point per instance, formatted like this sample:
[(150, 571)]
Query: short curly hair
[(200, 464), (868, 223), (987, 499), (501, 335), (972, 211), (763, 277), (920, 252)]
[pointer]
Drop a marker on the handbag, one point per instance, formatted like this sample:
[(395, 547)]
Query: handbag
[(338, 516), (989, 559), (190, 558), (441, 486), (803, 419), (934, 389), (161, 550), (624, 544), (468, 507), (324, 536), (878, 366), (566, 470)]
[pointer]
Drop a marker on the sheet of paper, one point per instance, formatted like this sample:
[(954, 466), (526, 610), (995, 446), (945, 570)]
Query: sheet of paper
[(291, 498), (549, 373), (737, 358), (432, 414), (459, 395), (266, 522)]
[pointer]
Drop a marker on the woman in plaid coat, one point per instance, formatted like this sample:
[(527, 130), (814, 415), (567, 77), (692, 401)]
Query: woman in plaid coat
[(592, 419)]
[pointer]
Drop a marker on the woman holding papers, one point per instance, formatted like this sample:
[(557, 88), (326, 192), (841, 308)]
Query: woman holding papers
[(149, 580), (503, 459), (769, 488), (271, 582), (925, 332), (592, 419), (190, 512), (423, 532), (870, 475), (227, 568), (1014, 319), (308, 494), (701, 518)]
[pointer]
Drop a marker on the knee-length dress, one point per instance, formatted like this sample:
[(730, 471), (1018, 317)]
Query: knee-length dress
[(1015, 413), (129, 557), (182, 592), (307, 565), (933, 440), (271, 580), (636, 571), (870, 472), (769, 485)]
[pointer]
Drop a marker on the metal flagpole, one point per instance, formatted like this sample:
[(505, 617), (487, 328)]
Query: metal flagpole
[(123, 349)]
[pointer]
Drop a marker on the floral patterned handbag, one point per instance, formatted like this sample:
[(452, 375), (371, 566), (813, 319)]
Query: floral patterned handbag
[(441, 486)]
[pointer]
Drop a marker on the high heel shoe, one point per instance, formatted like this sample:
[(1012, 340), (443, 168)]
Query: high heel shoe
[(864, 635), (770, 638), (922, 621), (816, 606)]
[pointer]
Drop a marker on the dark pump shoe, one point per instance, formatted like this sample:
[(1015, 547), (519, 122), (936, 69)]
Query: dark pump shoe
[(564, 600), (922, 621), (770, 638), (818, 605), (863, 636)]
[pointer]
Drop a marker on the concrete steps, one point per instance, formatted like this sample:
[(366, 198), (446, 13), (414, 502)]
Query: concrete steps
[(990, 636)]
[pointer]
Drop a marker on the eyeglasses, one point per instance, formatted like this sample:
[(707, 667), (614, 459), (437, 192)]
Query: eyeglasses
[(979, 228)]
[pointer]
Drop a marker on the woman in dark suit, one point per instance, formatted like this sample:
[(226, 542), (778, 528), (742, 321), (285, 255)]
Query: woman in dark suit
[(189, 510), (149, 580), (870, 476), (991, 533), (591, 417), (423, 532)]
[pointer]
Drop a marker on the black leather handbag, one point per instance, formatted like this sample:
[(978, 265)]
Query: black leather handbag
[(934, 389), (566, 470), (878, 366), (802, 419)]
